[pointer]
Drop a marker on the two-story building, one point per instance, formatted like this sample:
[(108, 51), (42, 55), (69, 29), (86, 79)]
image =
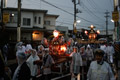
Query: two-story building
[(35, 24)]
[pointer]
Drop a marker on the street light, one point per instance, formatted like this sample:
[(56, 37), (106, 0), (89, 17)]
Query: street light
[(78, 21), (12, 15), (112, 20), (98, 31)]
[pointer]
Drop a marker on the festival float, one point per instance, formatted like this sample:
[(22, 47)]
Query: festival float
[(58, 50), (92, 35)]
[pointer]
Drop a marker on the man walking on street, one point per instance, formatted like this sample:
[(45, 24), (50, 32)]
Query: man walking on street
[(99, 69)]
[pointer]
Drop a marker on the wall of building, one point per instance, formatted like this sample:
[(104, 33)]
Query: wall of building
[(52, 23), (14, 18), (28, 35), (27, 15), (41, 15)]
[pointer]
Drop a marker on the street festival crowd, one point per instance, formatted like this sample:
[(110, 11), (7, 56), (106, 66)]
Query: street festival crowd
[(93, 60)]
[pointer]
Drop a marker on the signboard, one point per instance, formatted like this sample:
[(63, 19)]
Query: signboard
[(115, 16), (6, 17)]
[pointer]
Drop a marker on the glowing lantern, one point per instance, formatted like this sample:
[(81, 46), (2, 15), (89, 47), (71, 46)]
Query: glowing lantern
[(92, 26), (89, 36), (63, 48), (92, 34), (98, 32), (55, 33), (86, 32)]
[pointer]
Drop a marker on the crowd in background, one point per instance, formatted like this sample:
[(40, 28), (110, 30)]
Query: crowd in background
[(91, 60)]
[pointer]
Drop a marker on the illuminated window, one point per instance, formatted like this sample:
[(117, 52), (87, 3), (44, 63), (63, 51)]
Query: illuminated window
[(36, 35)]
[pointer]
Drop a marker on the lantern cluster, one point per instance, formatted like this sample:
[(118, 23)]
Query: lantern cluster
[(92, 34)]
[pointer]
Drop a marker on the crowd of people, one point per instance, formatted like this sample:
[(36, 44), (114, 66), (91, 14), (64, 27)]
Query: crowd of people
[(88, 61)]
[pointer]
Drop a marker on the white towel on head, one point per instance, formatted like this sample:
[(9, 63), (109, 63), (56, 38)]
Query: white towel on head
[(28, 47)]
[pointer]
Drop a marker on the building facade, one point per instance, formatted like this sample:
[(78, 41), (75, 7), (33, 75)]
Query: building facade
[(35, 24)]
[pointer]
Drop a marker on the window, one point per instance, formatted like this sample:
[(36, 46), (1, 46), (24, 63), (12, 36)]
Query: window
[(26, 21), (39, 20), (35, 19), (47, 22)]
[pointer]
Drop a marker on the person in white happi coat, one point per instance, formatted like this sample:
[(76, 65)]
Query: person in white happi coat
[(30, 61), (110, 52), (40, 49), (47, 63), (19, 48), (103, 47), (76, 64), (22, 71), (73, 51), (100, 69), (90, 55), (28, 49)]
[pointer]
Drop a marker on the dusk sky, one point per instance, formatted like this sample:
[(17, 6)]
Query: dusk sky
[(92, 11)]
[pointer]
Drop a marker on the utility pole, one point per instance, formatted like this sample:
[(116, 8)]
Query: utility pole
[(74, 24), (116, 23), (75, 12), (2, 14), (107, 24), (19, 22)]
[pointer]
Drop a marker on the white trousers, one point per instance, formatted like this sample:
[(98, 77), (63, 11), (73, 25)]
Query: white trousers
[(110, 58)]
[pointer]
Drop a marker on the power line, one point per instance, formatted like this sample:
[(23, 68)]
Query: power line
[(94, 3), (111, 4), (91, 12), (91, 4), (68, 12), (83, 26), (70, 23), (69, 7)]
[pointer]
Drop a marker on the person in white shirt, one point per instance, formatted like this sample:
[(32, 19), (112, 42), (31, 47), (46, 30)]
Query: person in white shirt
[(90, 55), (22, 71), (47, 63), (103, 47), (110, 52), (73, 51), (76, 64), (99, 69), (30, 61), (40, 49)]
